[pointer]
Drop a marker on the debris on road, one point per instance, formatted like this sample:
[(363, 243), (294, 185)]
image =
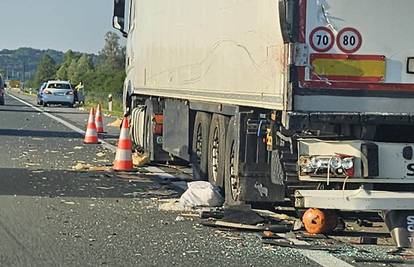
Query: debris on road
[(31, 164), (140, 159), (215, 214), (80, 166), (365, 240), (116, 123), (100, 154), (273, 215), (38, 171), (68, 202), (242, 215), (276, 228), (383, 261), (171, 205), (318, 221), (105, 188), (289, 244), (201, 194)]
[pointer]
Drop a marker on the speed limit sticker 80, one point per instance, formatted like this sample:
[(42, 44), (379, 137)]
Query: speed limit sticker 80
[(322, 39), (349, 40)]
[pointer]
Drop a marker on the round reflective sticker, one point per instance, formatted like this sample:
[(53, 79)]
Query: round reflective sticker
[(349, 40), (322, 39)]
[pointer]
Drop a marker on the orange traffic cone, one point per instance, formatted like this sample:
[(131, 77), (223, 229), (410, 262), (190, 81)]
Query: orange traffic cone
[(99, 119), (91, 136), (123, 158)]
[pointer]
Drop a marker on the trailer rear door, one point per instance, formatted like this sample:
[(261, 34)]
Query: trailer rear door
[(357, 48)]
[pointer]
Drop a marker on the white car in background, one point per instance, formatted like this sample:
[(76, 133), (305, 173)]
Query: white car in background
[(58, 92)]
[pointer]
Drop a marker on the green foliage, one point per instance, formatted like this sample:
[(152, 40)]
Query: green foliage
[(100, 77), (46, 70), (24, 60), (111, 55), (62, 72), (109, 74), (82, 68)]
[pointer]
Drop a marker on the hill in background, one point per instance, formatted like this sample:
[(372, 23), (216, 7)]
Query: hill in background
[(21, 64)]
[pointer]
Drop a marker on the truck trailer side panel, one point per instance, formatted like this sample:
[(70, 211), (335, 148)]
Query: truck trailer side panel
[(228, 52)]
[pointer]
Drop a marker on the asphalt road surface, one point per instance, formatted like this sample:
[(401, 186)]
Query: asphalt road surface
[(53, 215)]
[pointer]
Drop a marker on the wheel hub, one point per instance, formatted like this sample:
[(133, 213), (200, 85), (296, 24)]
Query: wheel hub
[(234, 178), (199, 144), (215, 154)]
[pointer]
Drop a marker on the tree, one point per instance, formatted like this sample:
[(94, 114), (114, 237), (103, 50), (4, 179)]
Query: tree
[(62, 72), (83, 66), (45, 71), (112, 55)]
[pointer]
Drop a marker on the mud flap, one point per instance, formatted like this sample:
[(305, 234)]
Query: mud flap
[(400, 223), (261, 189)]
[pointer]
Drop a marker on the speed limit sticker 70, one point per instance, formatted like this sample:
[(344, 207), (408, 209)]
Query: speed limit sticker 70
[(322, 39), (349, 40)]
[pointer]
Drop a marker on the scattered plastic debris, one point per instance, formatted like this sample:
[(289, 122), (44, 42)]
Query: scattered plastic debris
[(116, 123), (81, 166), (105, 188), (100, 154), (140, 159), (68, 202), (201, 194)]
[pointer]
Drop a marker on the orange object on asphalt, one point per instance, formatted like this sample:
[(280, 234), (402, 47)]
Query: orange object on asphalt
[(91, 135), (268, 234), (318, 221), (123, 157), (99, 119)]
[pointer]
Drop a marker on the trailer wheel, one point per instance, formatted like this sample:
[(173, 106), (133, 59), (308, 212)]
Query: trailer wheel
[(199, 148), (232, 184), (216, 149), (148, 134)]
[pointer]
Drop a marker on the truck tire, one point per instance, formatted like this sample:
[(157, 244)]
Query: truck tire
[(216, 149), (199, 148), (232, 184), (148, 134)]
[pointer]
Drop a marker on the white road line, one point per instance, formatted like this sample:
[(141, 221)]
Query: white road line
[(63, 122), (166, 176), (322, 258)]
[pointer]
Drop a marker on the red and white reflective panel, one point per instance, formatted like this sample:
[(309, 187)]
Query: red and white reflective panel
[(322, 39), (349, 40)]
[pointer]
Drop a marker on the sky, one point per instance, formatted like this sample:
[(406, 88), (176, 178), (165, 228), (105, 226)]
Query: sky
[(79, 25)]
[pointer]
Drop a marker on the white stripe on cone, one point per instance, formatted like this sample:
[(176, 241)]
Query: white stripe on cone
[(124, 135), (98, 123), (90, 132), (91, 118), (123, 155)]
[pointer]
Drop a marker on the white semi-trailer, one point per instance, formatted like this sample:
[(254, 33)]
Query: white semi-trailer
[(303, 101)]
